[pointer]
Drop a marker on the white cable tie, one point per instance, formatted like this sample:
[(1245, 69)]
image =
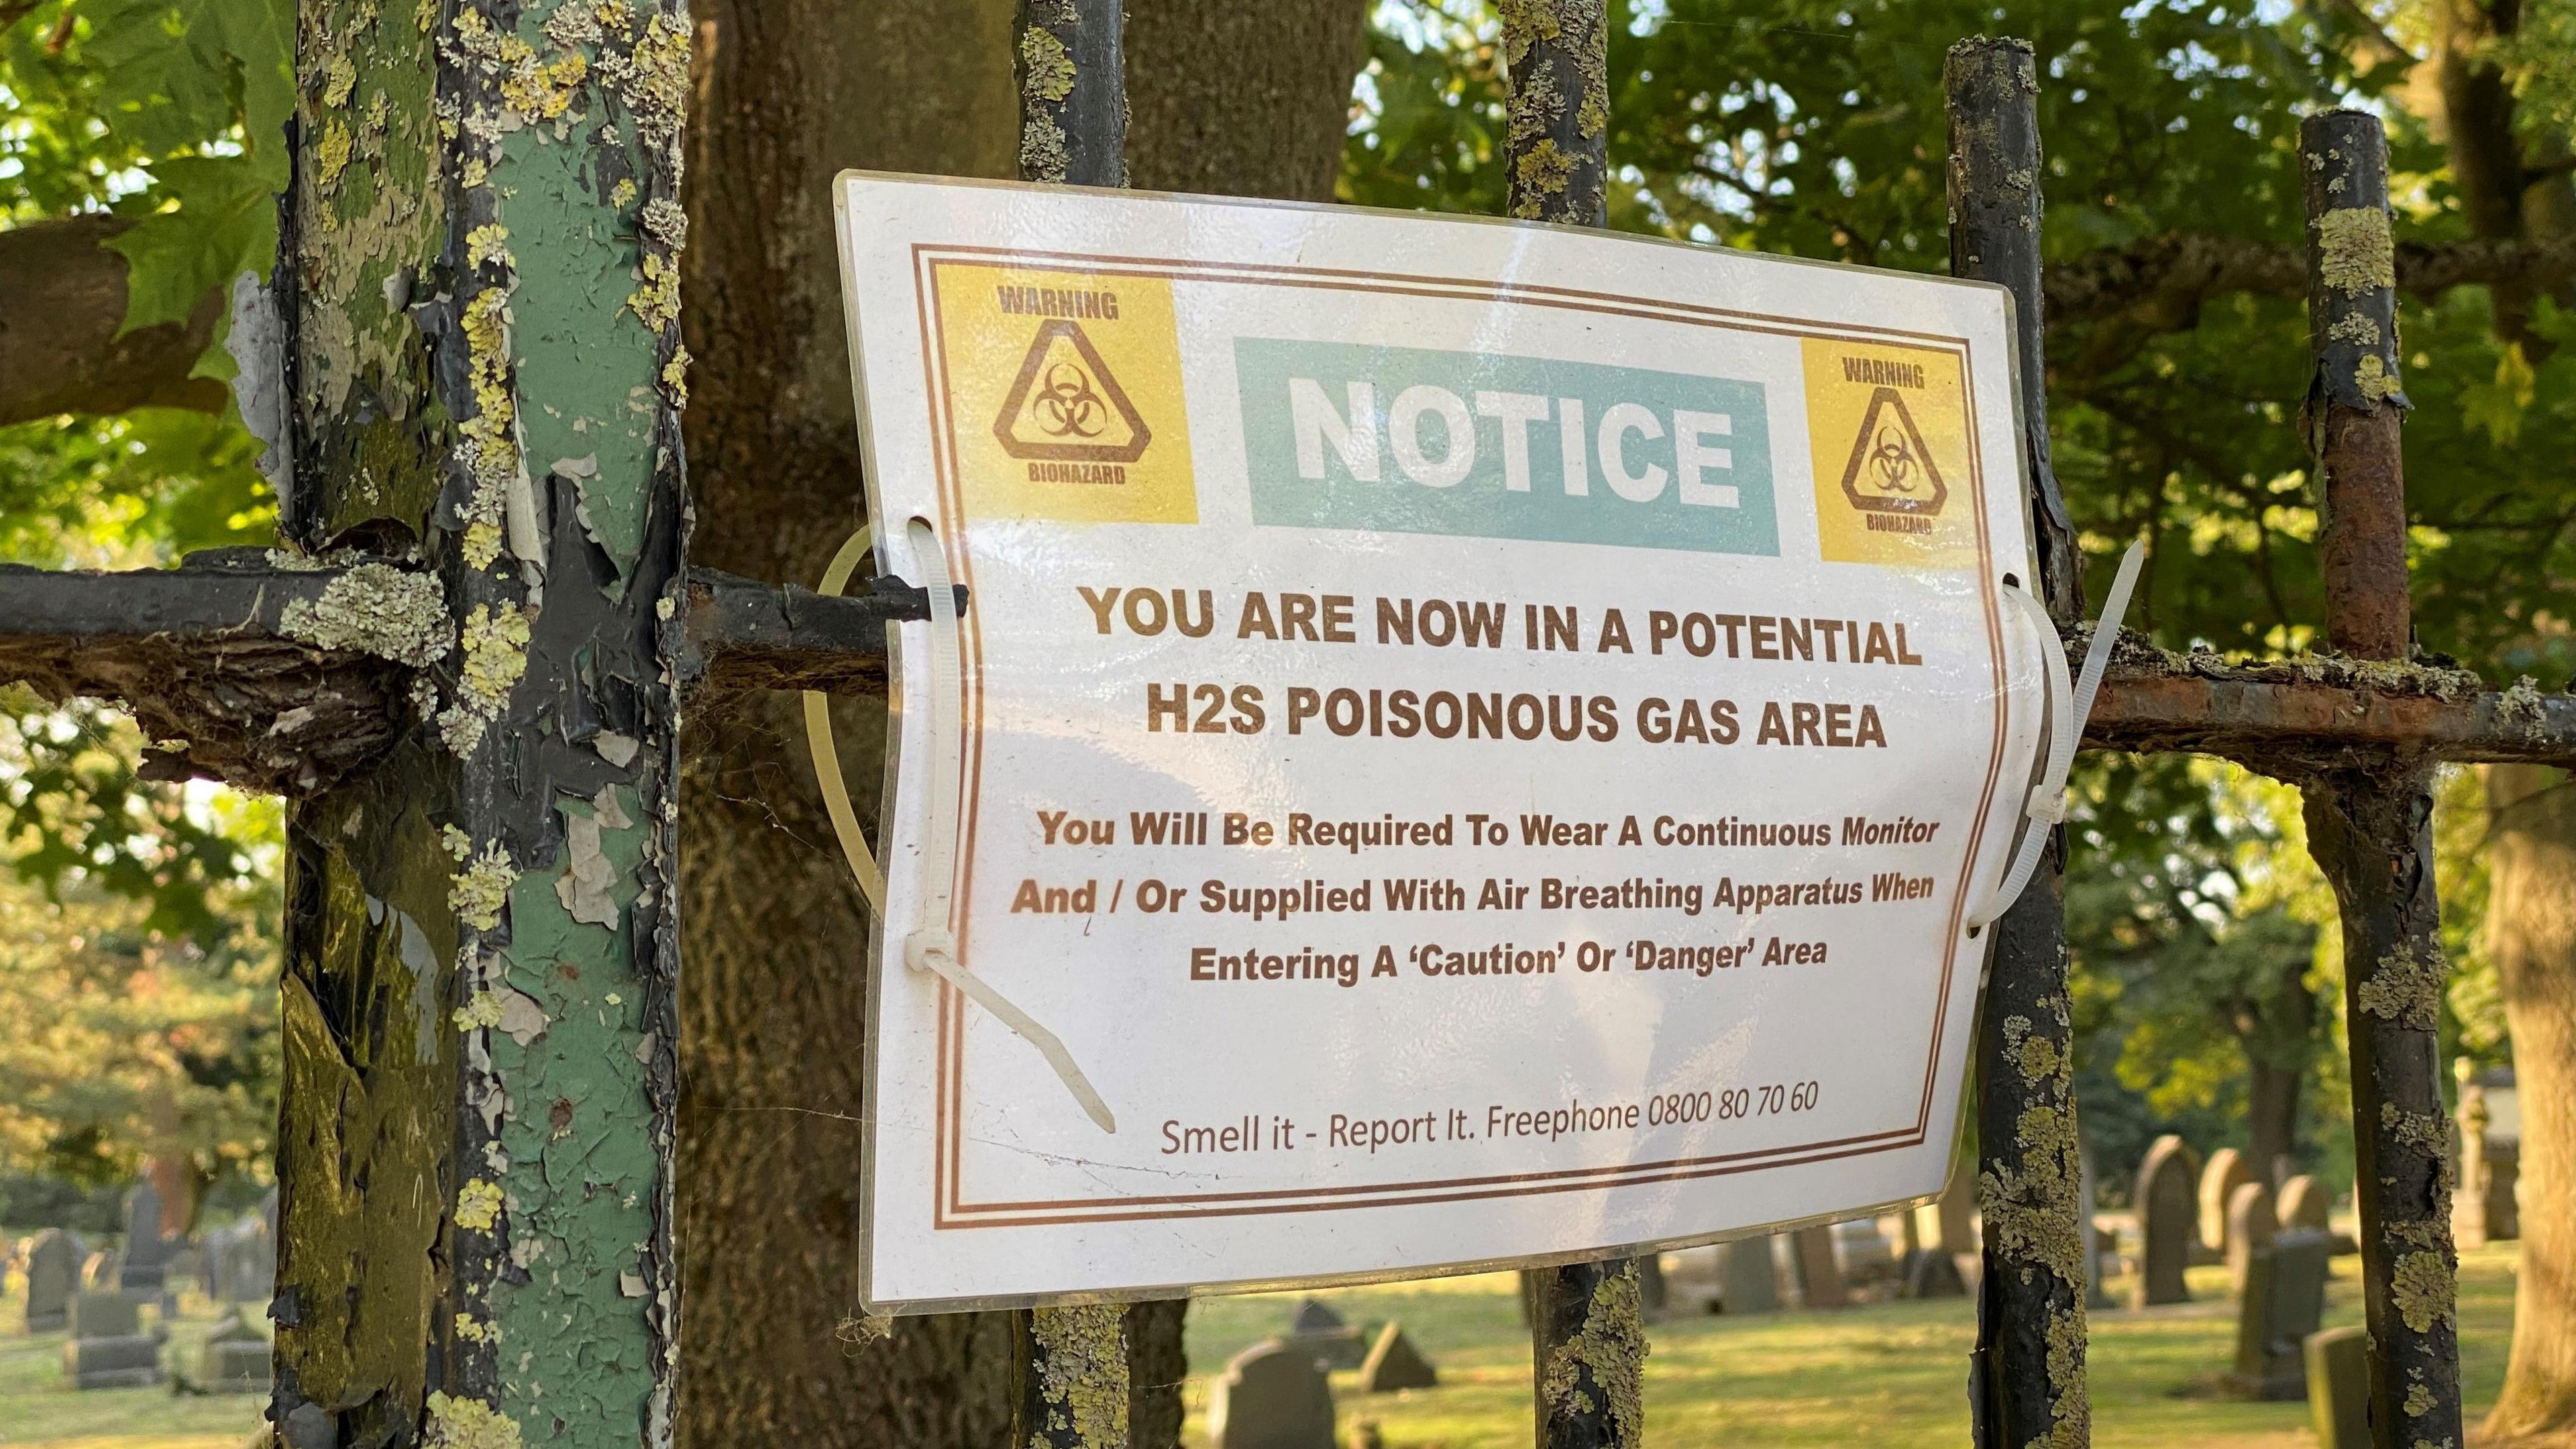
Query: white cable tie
[(2070, 705), (826, 754), (932, 946)]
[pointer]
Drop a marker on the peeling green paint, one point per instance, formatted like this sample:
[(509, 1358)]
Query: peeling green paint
[(457, 264)]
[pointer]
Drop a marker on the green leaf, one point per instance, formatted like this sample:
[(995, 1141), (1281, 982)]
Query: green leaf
[(221, 221)]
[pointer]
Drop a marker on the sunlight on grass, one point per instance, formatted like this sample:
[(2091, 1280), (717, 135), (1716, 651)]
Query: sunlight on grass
[(1891, 1374)]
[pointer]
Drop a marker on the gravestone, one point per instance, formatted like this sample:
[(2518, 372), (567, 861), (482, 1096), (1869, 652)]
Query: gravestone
[(53, 1275), (2250, 1225), (2168, 1227), (213, 1246), (105, 1315), (1934, 1274), (236, 1359), (1748, 1276), (1319, 1331), (1861, 1251), (249, 1270), (1271, 1396), (2338, 1363), (145, 1266), (1944, 1229), (1394, 1363), (109, 1349), (2284, 1297), (2086, 1199), (2227, 1171), (2485, 1209), (1820, 1278), (2304, 1206)]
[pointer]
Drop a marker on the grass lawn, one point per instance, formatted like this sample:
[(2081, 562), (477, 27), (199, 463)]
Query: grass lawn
[(37, 1410), (1890, 1374)]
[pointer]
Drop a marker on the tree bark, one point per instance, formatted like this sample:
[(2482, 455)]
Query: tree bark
[(2271, 1117), (2531, 931), (788, 92), (1241, 99), (62, 299)]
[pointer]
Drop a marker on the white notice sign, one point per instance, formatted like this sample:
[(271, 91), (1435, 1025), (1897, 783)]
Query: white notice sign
[(1478, 740)]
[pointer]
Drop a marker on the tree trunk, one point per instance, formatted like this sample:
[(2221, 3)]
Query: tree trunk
[(2278, 1048), (2531, 929), (1244, 99), (2271, 1118)]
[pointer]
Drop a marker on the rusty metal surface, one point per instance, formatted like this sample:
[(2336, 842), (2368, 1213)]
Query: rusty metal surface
[(2291, 718)]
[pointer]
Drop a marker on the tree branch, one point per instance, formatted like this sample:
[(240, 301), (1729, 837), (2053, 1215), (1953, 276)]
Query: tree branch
[(2159, 283), (62, 300)]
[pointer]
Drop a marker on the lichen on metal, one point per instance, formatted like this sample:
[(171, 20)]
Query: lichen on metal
[(2424, 1289), (2355, 252), (460, 1423), (496, 656), (478, 1205), (482, 1009), (376, 609), (2375, 379), (1046, 65), (2070, 1391), (2405, 987), (1609, 1354), (1081, 1361), (2427, 1132), (482, 888), (2031, 1211)]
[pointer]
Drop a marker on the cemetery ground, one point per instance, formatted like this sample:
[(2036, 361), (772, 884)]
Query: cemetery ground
[(1875, 1374), (37, 1409), (1884, 1375)]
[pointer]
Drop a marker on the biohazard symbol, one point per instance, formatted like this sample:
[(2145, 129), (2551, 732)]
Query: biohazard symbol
[(1065, 407), (1891, 471)]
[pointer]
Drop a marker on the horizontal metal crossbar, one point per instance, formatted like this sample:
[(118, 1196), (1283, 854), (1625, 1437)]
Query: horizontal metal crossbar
[(283, 678), (2293, 718)]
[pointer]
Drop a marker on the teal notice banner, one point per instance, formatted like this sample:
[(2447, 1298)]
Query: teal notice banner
[(1480, 445)]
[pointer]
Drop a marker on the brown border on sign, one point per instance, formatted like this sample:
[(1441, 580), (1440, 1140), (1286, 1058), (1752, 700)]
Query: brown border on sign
[(950, 1211)]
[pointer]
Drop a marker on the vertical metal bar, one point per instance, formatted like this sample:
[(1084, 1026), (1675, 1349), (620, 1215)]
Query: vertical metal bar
[(2354, 408), (1076, 1387), (2027, 1378), (481, 963), (1073, 92), (1587, 1320), (1557, 59), (1588, 1355), (1074, 1394), (2370, 820)]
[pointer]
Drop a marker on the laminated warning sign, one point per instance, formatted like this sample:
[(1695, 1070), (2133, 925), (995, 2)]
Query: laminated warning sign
[(1464, 742)]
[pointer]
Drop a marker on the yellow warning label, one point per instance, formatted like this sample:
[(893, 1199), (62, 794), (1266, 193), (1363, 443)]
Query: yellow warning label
[(1064, 395), (1888, 430)]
